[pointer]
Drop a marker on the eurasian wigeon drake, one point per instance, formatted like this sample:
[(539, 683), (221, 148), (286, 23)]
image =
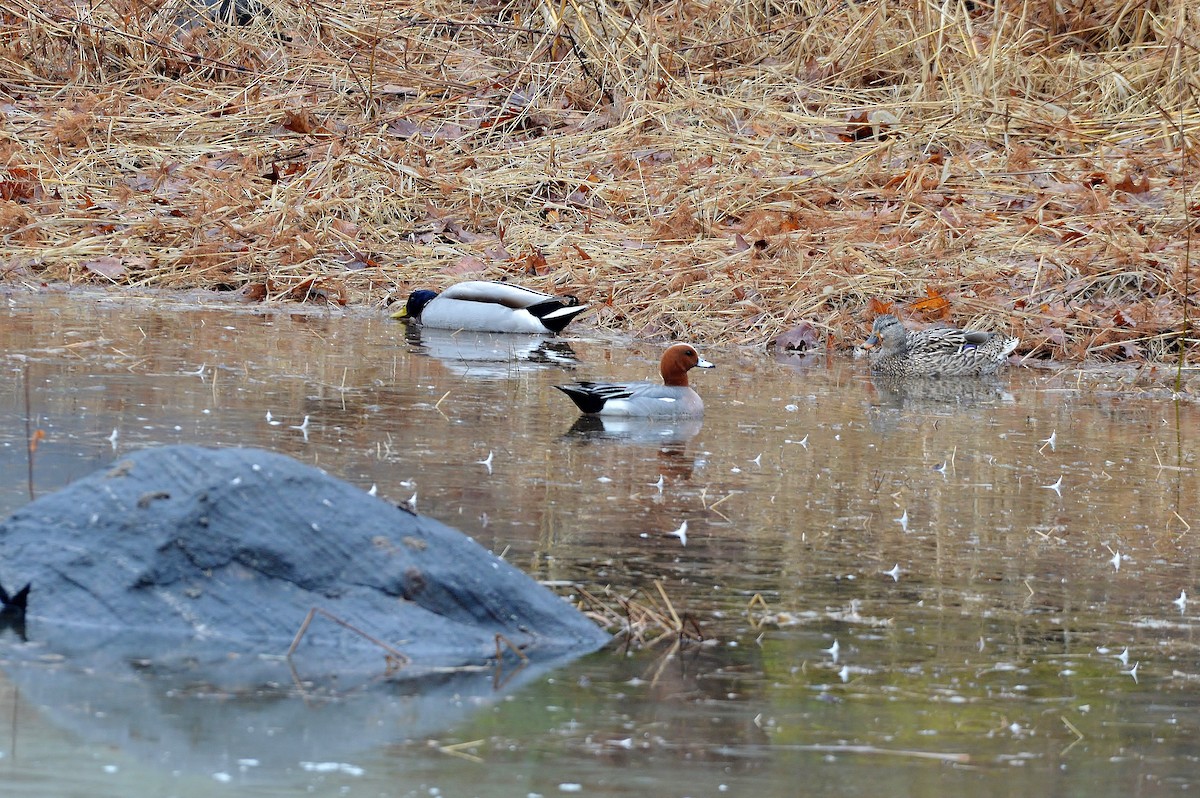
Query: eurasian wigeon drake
[(486, 306), (646, 399), (936, 352)]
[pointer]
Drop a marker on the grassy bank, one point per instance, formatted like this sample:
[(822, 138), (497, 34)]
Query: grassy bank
[(711, 171)]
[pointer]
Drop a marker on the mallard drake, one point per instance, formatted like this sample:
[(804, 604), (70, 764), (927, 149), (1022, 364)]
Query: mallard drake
[(646, 399), (936, 352), (487, 306)]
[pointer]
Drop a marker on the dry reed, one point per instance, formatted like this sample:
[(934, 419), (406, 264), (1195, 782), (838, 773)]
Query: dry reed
[(713, 171)]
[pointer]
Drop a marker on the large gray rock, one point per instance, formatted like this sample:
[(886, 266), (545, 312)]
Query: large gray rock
[(184, 552)]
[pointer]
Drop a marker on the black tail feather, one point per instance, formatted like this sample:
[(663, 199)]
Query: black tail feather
[(555, 314), (586, 402)]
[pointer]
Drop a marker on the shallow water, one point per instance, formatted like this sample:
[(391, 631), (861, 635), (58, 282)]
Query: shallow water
[(892, 599)]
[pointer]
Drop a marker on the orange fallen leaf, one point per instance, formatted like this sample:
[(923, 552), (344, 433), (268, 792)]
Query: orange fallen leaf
[(533, 262), (934, 305), (499, 118), (15, 191), (879, 308)]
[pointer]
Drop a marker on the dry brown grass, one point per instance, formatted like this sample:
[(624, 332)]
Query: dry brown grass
[(712, 171)]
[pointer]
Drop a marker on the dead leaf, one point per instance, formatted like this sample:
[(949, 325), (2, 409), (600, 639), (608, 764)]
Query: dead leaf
[(255, 292), (684, 279), (303, 121), (312, 290), (357, 260), (857, 128), (1131, 186), (801, 338), (762, 224), (403, 128), (107, 267), (1132, 351), (934, 306), (533, 262), (467, 264), (499, 252), (879, 308), (868, 125), (22, 185), (679, 226), (1054, 335)]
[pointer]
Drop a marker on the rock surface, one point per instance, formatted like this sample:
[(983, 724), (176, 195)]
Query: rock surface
[(180, 548)]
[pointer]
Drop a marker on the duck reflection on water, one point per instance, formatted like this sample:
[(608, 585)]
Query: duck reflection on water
[(646, 431), (899, 398), (938, 392), (670, 436), (490, 356)]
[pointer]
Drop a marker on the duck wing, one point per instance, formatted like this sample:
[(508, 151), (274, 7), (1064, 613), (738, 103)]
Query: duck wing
[(950, 352), (495, 293), (940, 340)]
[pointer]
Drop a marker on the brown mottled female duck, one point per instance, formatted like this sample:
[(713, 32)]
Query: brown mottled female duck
[(936, 352)]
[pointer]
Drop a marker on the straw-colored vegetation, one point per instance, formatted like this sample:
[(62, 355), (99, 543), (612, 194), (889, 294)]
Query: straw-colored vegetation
[(705, 170)]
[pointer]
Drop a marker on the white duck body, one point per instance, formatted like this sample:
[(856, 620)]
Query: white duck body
[(484, 306)]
